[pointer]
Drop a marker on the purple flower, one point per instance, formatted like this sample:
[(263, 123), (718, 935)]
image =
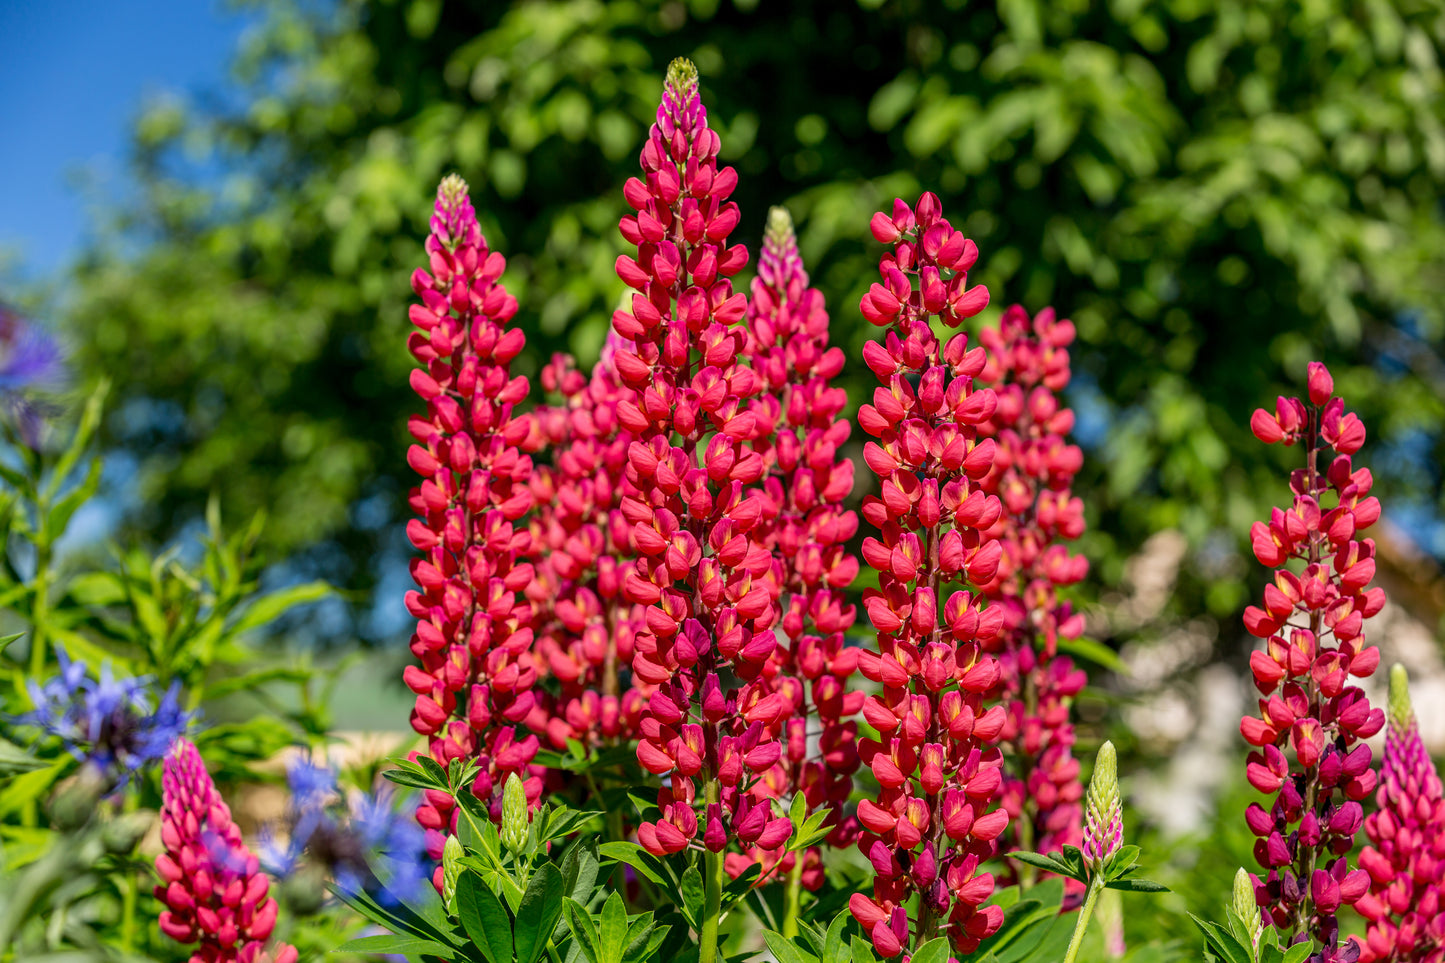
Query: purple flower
[(116, 725), (29, 359)]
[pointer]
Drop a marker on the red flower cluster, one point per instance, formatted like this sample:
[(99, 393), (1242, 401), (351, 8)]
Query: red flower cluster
[(473, 634), (585, 627), (935, 759), (1313, 624), (1406, 902), (804, 526), (211, 884), (703, 569), (1028, 365)]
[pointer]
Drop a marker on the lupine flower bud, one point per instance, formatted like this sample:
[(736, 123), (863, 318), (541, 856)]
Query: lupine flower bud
[(1103, 810), (451, 872), (1312, 621), (473, 634), (1247, 910), (1405, 905), (1028, 366), (211, 883), (935, 759), (514, 815)]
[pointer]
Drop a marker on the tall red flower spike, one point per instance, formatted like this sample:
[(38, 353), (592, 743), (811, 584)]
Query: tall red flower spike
[(936, 759), (1313, 624), (586, 627), (805, 526), (1028, 366), (473, 635), (1405, 906), (703, 570), (211, 884)]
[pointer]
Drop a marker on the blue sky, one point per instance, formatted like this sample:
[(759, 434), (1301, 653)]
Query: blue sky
[(73, 74)]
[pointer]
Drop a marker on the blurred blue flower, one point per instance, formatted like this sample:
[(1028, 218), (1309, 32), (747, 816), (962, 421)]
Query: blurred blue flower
[(363, 844), (117, 725), (29, 359)]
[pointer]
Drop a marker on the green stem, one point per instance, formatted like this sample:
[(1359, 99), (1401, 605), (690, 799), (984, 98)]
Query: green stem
[(127, 913), (712, 886), (1096, 886), (40, 610), (795, 897)]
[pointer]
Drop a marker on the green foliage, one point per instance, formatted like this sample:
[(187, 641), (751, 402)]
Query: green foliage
[(71, 884), (1216, 193), (544, 899)]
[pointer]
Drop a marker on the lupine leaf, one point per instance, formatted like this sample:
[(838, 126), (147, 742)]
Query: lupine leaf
[(583, 936), (934, 951), (538, 914), (785, 950), (635, 856), (692, 895), (389, 943), (484, 918), (1137, 886)]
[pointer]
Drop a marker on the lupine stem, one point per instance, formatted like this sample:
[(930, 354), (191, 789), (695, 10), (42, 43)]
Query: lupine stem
[(795, 898), (712, 884), (1096, 886)]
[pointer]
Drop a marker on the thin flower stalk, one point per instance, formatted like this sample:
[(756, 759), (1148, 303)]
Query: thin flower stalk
[(473, 633), (210, 883), (936, 759), (1312, 621), (1028, 367), (1405, 906)]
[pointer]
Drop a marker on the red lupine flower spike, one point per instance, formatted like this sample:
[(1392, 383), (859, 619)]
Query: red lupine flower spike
[(805, 527), (1028, 365), (1312, 621), (703, 569), (585, 627), (473, 634), (936, 758), (1405, 906), (211, 883)]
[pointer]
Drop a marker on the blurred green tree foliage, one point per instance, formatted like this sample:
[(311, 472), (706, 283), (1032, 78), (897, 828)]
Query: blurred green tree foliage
[(1216, 192)]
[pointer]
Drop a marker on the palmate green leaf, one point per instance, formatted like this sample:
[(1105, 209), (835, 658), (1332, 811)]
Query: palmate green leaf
[(580, 865), (1298, 952), (647, 944), (736, 889), (538, 914), (785, 950), (398, 945), (1220, 943), (584, 937), (612, 932), (633, 855), (1136, 886), (692, 895), (934, 951), (484, 918), (1049, 863), (398, 917), (862, 951)]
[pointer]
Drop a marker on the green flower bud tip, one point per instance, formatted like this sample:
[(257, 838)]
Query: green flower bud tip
[(779, 231), (1401, 712), (1103, 809), (514, 814), (453, 190), (682, 77), (451, 871), (1247, 909)]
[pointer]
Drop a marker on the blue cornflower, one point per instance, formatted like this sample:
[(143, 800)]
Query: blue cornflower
[(359, 845), (114, 724), (29, 359)]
